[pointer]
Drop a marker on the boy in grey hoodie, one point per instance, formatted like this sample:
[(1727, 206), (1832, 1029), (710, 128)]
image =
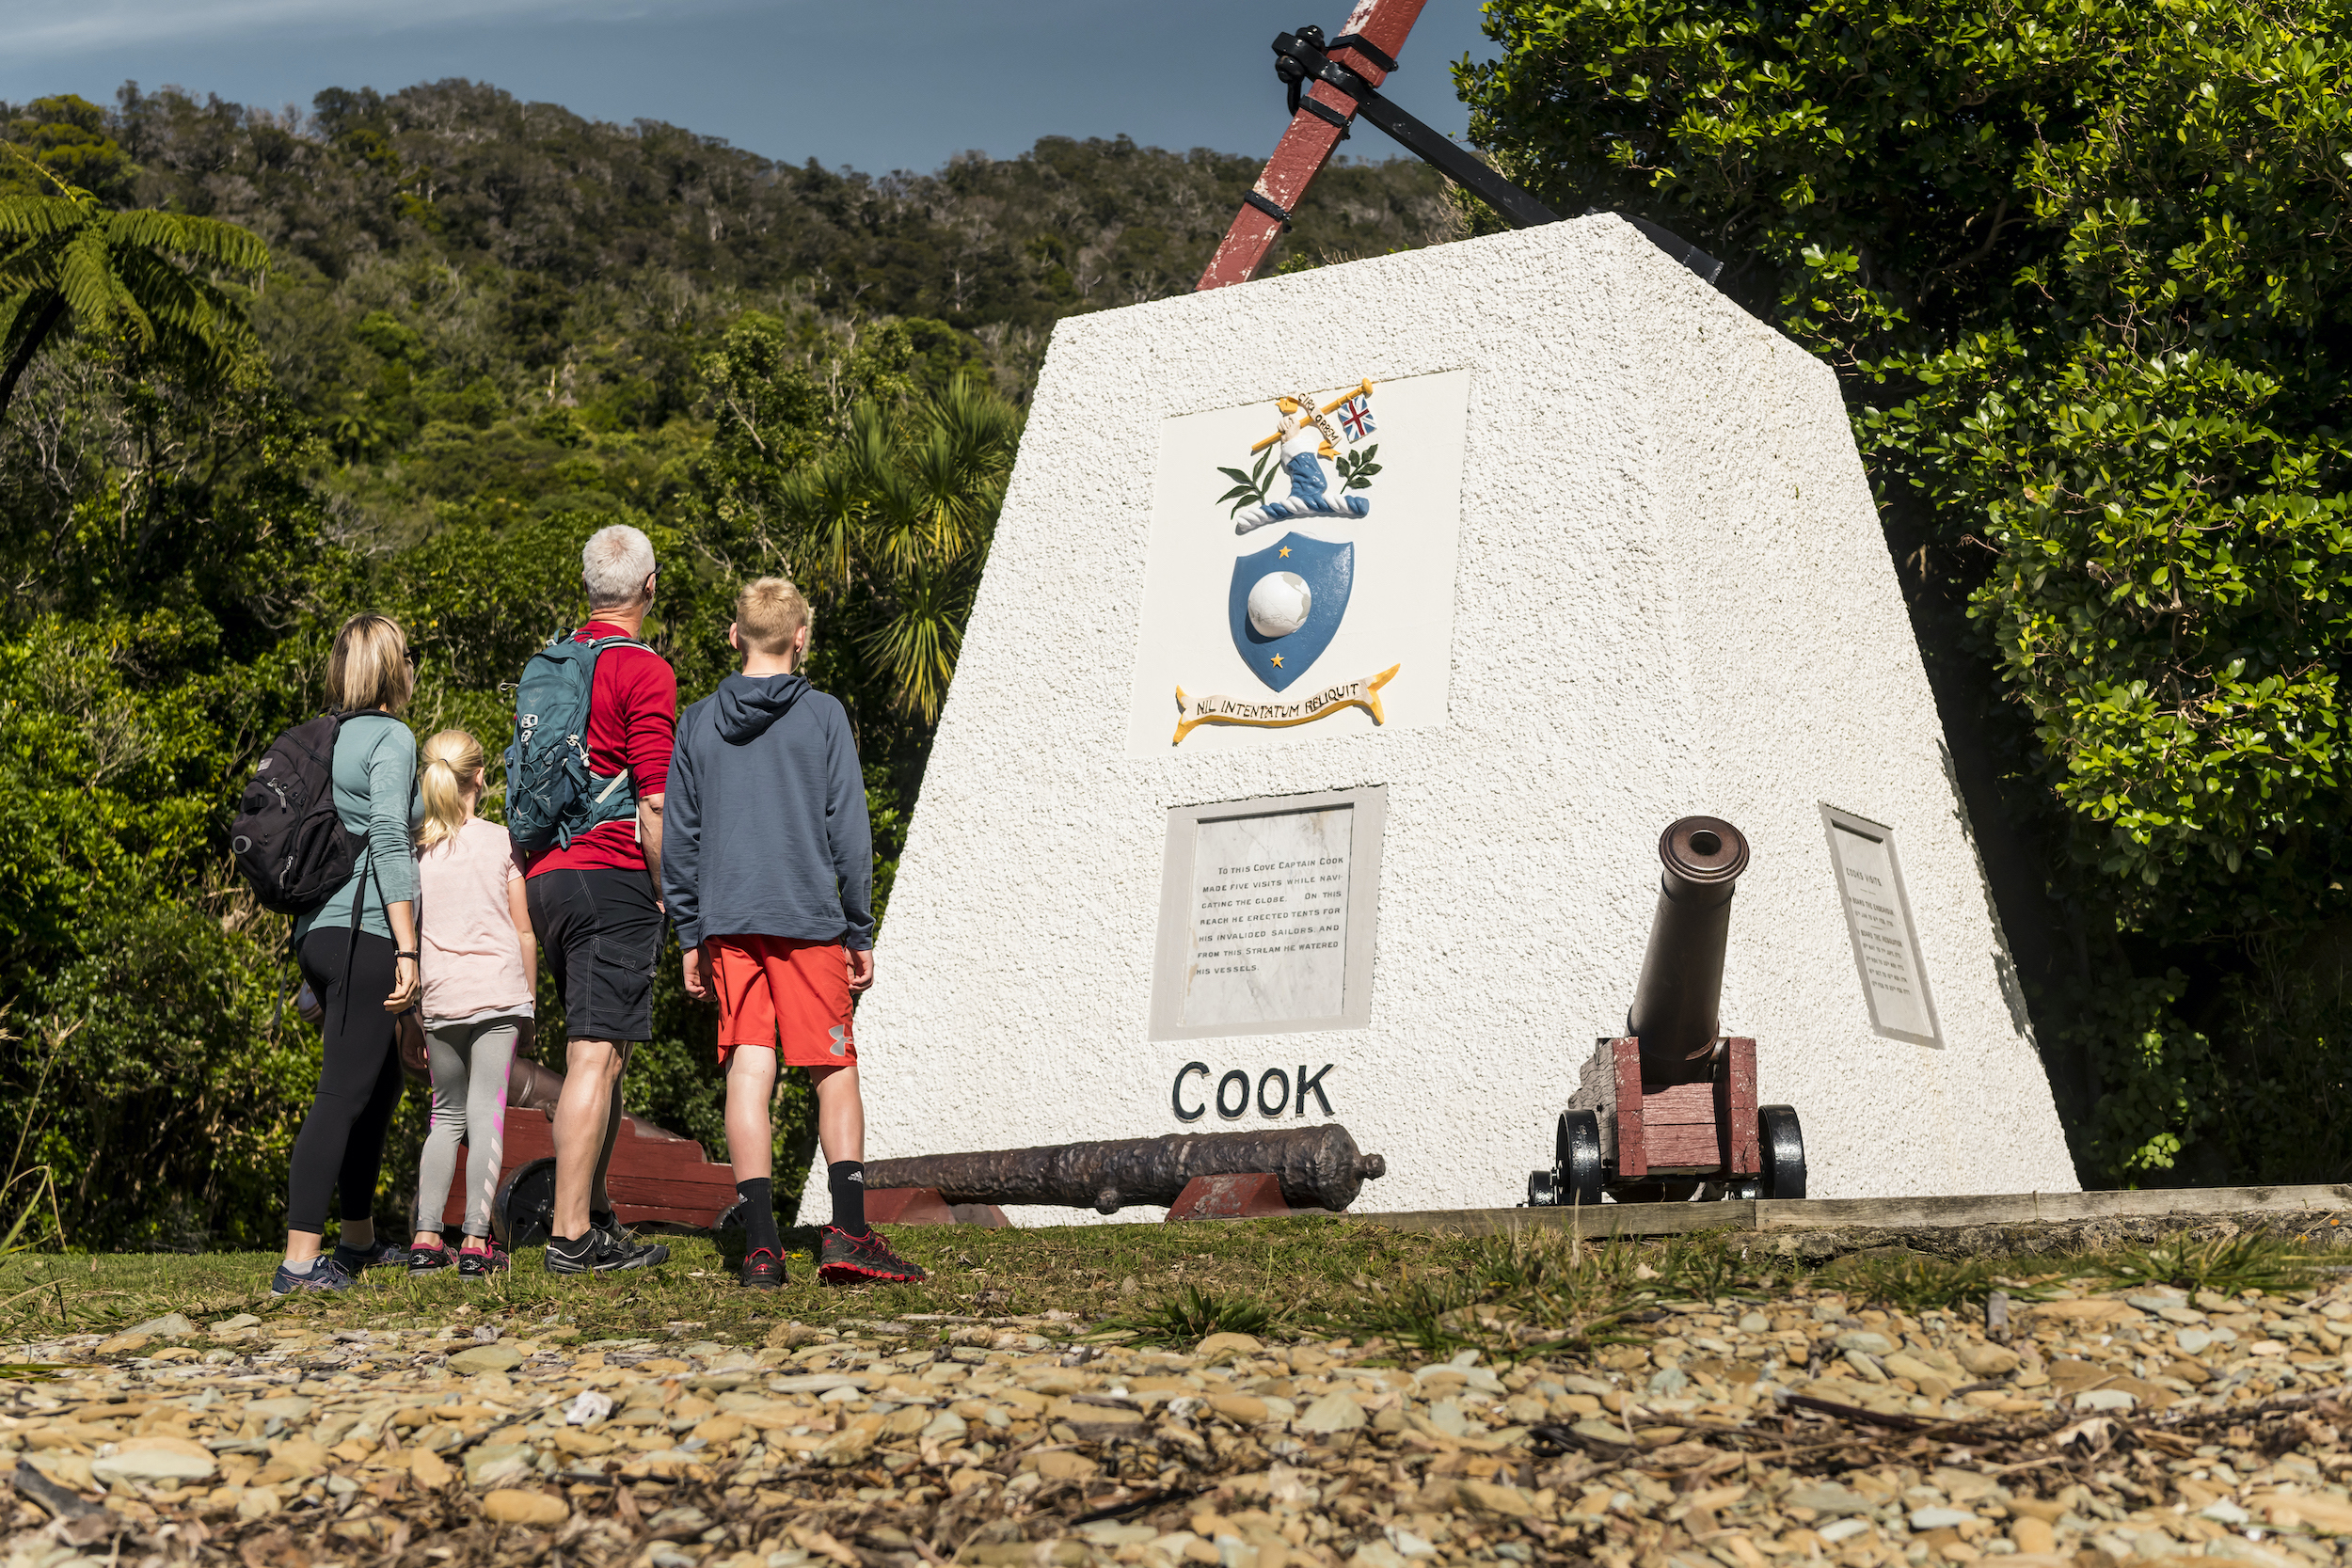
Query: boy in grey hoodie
[(768, 869)]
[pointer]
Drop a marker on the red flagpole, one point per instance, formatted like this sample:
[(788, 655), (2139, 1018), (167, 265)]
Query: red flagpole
[(1308, 142)]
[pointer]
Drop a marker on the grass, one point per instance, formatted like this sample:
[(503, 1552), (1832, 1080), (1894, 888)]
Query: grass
[(2237, 1263), (1426, 1294), (1193, 1314), (1917, 1282), (1920, 1284), (1168, 1279)]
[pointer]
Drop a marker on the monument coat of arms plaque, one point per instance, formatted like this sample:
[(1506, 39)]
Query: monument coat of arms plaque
[(1327, 564)]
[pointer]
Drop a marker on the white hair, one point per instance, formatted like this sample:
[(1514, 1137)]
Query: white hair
[(615, 564)]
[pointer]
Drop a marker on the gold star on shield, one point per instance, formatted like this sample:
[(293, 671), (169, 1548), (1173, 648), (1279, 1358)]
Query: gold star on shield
[(1285, 554), (1277, 662)]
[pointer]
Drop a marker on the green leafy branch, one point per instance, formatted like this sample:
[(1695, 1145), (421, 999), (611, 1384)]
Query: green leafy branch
[(1249, 488), (1357, 467)]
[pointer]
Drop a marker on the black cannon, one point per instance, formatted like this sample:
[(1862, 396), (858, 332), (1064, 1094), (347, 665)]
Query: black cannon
[(1319, 1167), (1682, 1101)]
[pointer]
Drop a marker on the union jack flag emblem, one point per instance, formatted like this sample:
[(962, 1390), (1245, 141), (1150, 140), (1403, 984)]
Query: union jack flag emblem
[(1356, 419)]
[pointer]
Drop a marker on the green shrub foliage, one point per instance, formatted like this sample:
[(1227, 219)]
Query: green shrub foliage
[(2082, 267)]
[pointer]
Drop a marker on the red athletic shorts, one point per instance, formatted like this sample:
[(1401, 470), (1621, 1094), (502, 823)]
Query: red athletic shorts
[(790, 995)]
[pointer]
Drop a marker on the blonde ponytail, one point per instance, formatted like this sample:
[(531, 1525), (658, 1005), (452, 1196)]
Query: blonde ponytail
[(453, 759)]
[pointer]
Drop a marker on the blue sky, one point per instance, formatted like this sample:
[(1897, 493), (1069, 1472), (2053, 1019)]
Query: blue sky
[(873, 84)]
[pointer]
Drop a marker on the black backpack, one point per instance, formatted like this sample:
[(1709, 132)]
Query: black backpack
[(286, 839)]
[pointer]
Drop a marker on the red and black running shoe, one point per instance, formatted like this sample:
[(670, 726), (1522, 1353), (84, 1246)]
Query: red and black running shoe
[(491, 1259), (847, 1260), (762, 1271)]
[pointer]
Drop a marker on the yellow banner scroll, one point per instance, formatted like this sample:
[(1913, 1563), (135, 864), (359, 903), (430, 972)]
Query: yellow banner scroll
[(1194, 712)]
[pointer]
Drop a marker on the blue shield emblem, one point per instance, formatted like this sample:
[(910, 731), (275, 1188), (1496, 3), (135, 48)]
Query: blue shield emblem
[(1273, 637)]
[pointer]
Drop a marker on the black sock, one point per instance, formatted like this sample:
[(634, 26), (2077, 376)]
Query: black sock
[(847, 1178), (602, 1219), (759, 1216)]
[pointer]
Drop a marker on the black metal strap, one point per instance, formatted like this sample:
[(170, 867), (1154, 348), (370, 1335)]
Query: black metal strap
[(1323, 111), (1300, 58), (1679, 248), (1270, 209), (1338, 75), (1303, 56), (1365, 47)]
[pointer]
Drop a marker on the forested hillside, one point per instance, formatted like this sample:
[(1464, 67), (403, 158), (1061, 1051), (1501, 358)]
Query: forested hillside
[(500, 306), (483, 328)]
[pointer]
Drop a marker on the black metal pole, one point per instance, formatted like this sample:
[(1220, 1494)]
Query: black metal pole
[(1518, 209), (1299, 57)]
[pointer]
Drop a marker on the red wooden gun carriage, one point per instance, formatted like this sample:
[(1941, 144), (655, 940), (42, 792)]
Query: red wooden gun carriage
[(656, 1178), (1679, 1096)]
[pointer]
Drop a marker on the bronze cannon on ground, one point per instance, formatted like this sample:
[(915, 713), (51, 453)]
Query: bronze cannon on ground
[(1318, 1167), (1678, 1095)]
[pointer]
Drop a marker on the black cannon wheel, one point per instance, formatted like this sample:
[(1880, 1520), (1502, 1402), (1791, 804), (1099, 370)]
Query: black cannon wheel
[(1576, 1148), (1782, 1149), (524, 1212), (1543, 1192)]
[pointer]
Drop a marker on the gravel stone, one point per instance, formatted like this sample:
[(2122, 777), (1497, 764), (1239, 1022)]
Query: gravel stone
[(1808, 1430)]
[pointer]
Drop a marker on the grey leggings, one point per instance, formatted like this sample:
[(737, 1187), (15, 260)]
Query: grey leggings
[(469, 1066)]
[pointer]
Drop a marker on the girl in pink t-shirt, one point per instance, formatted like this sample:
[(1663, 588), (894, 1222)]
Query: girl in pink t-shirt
[(480, 967)]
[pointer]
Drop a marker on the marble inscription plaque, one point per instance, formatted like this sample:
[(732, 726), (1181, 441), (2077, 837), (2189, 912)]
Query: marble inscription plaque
[(1268, 914), (1269, 919), (1877, 918)]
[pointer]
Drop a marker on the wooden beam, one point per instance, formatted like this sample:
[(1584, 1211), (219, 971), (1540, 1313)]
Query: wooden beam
[(1768, 1215), (1306, 145), (1736, 1100), (1625, 1060)]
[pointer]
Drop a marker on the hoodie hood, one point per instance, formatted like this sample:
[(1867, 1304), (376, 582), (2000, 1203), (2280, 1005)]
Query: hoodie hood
[(747, 704)]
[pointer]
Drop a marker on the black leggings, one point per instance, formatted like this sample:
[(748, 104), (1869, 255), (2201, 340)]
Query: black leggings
[(342, 1141)]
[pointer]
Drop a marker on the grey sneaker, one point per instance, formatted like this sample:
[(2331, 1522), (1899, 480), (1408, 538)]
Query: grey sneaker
[(324, 1274)]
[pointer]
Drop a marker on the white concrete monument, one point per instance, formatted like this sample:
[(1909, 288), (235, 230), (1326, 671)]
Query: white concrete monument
[(1348, 641)]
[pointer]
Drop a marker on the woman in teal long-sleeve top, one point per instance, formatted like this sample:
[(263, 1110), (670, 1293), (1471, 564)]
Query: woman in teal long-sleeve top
[(363, 969)]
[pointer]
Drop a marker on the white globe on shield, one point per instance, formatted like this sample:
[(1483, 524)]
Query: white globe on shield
[(1279, 603)]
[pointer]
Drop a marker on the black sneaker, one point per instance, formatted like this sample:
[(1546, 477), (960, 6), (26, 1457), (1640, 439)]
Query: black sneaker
[(482, 1265), (357, 1261), (848, 1260), (596, 1254), (610, 1226), (427, 1260), (763, 1270)]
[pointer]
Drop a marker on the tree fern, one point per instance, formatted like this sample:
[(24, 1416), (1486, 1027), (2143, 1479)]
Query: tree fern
[(68, 265)]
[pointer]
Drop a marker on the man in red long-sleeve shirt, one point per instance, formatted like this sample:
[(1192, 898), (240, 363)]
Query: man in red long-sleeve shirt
[(596, 906)]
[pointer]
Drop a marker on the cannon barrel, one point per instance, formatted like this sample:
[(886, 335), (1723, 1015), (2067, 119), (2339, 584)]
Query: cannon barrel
[(529, 1085), (1319, 1167), (533, 1088), (1673, 1011)]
